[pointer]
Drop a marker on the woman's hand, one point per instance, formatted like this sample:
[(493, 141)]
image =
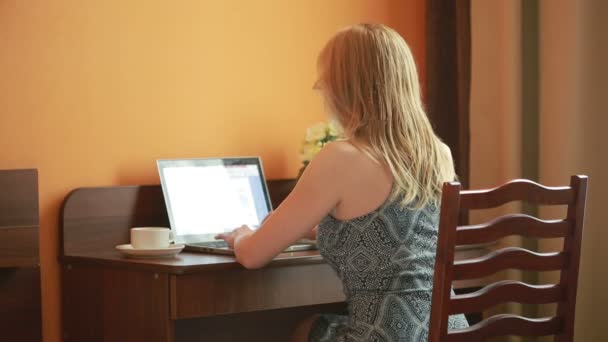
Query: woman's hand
[(235, 235), (316, 194)]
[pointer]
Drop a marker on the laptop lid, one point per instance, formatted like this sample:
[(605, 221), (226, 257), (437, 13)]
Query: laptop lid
[(205, 197)]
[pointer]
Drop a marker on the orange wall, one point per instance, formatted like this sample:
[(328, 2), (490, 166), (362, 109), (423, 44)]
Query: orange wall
[(91, 93)]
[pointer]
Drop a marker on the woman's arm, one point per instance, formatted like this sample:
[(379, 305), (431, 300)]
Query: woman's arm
[(312, 235), (315, 195)]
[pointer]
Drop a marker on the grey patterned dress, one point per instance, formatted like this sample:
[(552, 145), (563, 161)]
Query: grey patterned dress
[(386, 261)]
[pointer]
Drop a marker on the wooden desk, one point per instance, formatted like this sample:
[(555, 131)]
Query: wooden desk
[(193, 297), (110, 298)]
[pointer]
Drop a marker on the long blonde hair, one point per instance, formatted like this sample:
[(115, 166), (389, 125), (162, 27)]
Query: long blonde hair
[(368, 78)]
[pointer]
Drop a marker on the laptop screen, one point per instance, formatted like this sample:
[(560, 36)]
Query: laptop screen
[(205, 197)]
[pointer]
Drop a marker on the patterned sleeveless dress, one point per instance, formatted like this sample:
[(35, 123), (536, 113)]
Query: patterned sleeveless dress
[(386, 261)]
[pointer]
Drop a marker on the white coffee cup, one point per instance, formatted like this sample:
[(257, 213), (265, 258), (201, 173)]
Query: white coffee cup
[(151, 237)]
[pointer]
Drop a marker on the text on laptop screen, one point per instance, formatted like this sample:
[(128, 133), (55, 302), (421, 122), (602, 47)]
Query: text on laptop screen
[(209, 199)]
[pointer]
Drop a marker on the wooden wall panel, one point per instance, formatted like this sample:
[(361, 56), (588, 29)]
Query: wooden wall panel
[(20, 308), (20, 298)]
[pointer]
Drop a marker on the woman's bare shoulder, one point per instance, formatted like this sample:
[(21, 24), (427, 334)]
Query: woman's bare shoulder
[(335, 159), (349, 159), (340, 149)]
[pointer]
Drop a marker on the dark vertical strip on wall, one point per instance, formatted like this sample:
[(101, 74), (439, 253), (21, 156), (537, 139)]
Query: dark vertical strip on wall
[(448, 65)]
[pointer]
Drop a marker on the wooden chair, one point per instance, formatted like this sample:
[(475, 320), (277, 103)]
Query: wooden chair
[(446, 270)]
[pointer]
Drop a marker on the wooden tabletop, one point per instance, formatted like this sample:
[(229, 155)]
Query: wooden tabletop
[(184, 262), (187, 262)]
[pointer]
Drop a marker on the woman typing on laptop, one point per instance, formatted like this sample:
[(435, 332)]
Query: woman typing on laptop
[(373, 196)]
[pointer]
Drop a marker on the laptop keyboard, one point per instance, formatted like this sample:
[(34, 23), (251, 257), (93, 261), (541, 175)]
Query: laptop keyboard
[(213, 244), (222, 244)]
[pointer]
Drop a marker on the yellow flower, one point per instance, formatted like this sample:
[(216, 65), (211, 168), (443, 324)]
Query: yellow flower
[(316, 132), (334, 128), (309, 151)]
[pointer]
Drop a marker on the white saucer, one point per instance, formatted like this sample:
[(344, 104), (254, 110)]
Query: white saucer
[(170, 251)]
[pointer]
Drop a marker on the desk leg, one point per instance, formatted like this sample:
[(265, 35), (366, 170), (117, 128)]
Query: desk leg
[(103, 304)]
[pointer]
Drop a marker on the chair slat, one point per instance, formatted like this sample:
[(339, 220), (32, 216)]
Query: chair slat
[(506, 324), (504, 292), (517, 190), (515, 224), (508, 258)]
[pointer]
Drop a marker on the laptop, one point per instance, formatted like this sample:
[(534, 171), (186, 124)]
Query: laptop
[(206, 197)]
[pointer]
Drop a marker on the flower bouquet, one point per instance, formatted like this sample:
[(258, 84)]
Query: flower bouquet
[(318, 136)]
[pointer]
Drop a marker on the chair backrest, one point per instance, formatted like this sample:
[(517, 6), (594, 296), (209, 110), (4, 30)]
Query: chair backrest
[(567, 261)]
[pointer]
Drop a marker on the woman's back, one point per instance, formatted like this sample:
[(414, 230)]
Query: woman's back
[(385, 258), (366, 183)]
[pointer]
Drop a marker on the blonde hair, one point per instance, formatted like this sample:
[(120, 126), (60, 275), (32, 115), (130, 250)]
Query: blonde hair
[(368, 78)]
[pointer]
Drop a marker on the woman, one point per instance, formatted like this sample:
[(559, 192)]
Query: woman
[(374, 196)]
